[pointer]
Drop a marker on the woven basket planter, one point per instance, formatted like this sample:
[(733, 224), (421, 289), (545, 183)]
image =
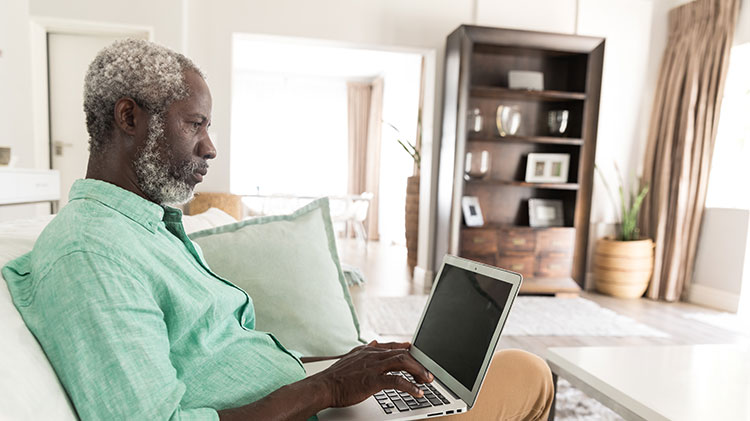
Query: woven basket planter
[(623, 268), (229, 203)]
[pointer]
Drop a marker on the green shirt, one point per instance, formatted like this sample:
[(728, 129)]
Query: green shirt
[(133, 321)]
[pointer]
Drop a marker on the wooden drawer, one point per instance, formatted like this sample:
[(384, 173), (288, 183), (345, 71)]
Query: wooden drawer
[(554, 265), (481, 242), (515, 240), (522, 263), (556, 239)]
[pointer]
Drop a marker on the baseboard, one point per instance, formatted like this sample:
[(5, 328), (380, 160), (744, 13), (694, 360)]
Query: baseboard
[(589, 282), (714, 298)]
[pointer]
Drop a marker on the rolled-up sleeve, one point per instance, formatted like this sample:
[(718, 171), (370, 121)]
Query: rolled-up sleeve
[(106, 338)]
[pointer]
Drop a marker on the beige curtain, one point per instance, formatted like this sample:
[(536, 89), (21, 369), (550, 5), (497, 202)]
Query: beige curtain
[(365, 111), (681, 137)]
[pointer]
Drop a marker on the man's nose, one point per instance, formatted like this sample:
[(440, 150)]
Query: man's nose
[(207, 150)]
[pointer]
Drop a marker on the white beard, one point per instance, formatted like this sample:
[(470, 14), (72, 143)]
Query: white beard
[(161, 179)]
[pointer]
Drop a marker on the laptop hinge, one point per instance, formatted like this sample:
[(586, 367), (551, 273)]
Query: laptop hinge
[(456, 397)]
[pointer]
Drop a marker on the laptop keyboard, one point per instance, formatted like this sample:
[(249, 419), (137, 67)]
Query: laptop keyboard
[(395, 400)]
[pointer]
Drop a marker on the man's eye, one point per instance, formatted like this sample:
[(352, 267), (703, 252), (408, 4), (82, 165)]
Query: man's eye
[(197, 125)]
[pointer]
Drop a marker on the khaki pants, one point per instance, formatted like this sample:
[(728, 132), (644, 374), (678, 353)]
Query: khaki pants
[(518, 386)]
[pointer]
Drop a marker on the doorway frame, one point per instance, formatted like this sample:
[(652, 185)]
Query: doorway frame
[(39, 28), (423, 274)]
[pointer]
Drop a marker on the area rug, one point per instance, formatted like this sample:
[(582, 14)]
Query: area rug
[(574, 405), (726, 321), (531, 316)]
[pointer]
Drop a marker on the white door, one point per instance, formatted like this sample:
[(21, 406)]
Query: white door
[(69, 56)]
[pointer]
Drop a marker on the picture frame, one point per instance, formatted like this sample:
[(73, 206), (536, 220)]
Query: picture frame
[(545, 213), (4, 155), (547, 168), (472, 212)]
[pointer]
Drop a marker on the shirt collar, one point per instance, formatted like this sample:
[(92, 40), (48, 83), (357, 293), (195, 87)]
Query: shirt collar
[(144, 212)]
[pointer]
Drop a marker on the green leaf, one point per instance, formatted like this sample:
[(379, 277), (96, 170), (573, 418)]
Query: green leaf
[(409, 147), (629, 205)]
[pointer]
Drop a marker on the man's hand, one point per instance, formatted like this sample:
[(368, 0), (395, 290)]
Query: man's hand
[(353, 378), (363, 372)]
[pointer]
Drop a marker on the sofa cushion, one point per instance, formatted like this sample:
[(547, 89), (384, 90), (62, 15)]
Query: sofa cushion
[(29, 389), (211, 218), (289, 266)]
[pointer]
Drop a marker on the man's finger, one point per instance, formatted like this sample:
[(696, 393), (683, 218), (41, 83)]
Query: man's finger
[(394, 345), (400, 383), (403, 361)]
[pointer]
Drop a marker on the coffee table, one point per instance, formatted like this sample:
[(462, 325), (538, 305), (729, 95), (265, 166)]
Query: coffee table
[(682, 382)]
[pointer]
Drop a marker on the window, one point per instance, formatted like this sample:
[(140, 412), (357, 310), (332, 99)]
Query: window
[(730, 167), (289, 135)]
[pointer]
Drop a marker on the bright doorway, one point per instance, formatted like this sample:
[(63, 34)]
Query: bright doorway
[(289, 133)]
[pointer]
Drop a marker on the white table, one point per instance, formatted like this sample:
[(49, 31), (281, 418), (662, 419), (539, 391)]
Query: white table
[(687, 382)]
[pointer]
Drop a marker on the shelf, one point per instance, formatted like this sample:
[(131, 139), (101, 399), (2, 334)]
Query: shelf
[(551, 186), (492, 226), (531, 139), (505, 93)]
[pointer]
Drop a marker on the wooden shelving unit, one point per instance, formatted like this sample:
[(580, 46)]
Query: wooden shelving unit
[(553, 186), (530, 139), (505, 93), (478, 59)]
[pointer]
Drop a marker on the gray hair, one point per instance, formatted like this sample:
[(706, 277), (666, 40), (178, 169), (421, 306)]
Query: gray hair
[(152, 75)]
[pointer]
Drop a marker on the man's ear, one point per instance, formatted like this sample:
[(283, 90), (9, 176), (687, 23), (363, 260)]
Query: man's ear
[(128, 115)]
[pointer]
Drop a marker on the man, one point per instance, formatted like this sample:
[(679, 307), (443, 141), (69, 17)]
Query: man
[(130, 316)]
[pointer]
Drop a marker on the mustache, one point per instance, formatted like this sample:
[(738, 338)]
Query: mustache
[(192, 166)]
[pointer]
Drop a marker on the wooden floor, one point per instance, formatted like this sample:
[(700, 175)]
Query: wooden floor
[(384, 267)]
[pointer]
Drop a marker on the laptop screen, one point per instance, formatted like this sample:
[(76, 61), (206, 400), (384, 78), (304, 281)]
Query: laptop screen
[(460, 321)]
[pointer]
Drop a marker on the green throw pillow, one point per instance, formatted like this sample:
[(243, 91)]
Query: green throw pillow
[(289, 266)]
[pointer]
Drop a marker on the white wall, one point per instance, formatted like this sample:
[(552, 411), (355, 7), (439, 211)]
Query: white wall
[(531, 15), (164, 16), (722, 267), (628, 84), (742, 35), (15, 82), (15, 95)]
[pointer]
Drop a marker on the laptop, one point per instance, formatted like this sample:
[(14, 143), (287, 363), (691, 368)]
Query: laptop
[(455, 340)]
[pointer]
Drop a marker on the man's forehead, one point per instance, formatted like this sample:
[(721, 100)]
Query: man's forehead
[(198, 103), (195, 80)]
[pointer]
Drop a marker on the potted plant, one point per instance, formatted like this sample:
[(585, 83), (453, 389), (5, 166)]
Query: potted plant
[(412, 194), (623, 264)]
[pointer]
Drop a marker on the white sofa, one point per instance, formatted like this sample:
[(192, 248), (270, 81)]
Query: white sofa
[(29, 388)]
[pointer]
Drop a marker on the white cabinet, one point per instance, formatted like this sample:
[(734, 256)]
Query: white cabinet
[(19, 185)]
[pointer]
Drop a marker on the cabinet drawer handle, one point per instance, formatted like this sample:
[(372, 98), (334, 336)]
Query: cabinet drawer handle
[(479, 240), (554, 267), (518, 241), (517, 267)]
